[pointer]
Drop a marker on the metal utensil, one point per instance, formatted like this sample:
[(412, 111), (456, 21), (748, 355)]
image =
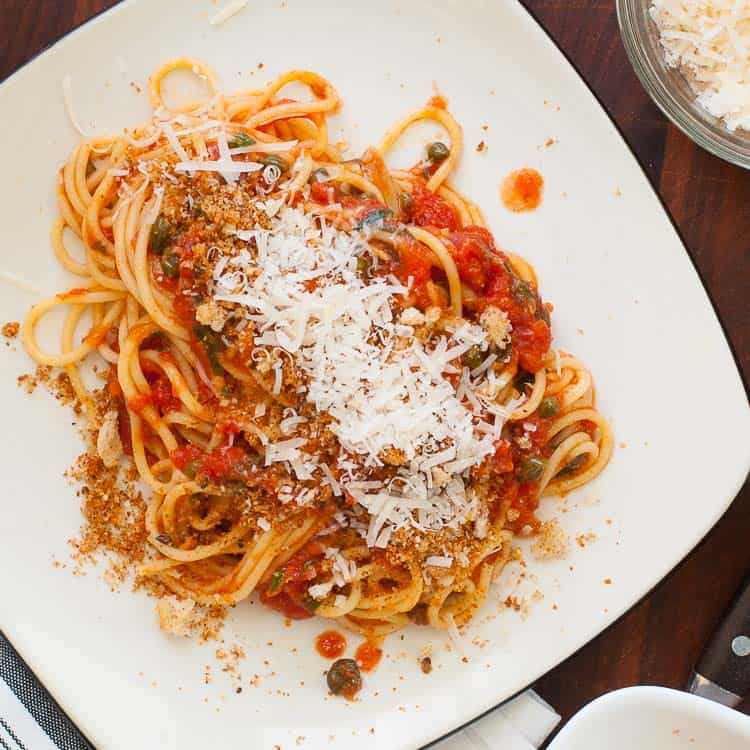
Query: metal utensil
[(723, 671)]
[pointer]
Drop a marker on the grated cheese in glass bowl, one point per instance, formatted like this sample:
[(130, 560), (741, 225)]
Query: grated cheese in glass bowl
[(693, 58)]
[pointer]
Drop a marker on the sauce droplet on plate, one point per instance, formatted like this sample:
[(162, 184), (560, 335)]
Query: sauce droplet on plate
[(368, 656), (522, 190), (330, 644)]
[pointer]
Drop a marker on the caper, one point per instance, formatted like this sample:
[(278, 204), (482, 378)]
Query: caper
[(526, 379), (272, 160), (170, 264), (473, 357), (437, 152), (532, 468), (549, 407), (344, 678), (240, 140), (309, 603), (161, 235), (362, 265)]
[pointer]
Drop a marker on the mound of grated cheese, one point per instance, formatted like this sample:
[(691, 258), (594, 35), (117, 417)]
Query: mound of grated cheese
[(298, 283), (709, 41)]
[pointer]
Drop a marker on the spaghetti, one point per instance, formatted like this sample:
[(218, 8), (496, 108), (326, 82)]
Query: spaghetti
[(339, 393)]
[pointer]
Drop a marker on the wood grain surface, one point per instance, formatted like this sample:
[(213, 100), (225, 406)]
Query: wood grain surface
[(660, 639)]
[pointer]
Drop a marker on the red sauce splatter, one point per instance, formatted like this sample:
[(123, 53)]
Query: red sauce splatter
[(438, 101), (522, 190), (368, 656), (330, 644)]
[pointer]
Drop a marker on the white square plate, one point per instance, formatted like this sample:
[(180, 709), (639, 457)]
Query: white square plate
[(627, 300)]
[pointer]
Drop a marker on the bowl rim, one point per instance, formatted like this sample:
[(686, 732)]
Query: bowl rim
[(693, 127)]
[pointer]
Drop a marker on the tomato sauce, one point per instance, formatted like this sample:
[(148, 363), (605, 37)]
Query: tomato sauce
[(288, 602), (330, 644), (323, 192), (487, 271), (521, 190), (473, 250), (218, 465), (368, 656), (97, 334), (415, 266), (139, 403), (430, 210), (286, 589)]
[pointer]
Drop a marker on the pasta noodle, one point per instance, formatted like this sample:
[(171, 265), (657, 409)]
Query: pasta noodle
[(339, 393)]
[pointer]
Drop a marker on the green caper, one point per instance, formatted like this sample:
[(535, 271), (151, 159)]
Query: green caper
[(437, 152), (362, 265), (161, 235), (549, 407), (170, 265), (309, 603), (344, 678), (532, 468), (526, 379), (240, 140), (473, 357), (272, 160)]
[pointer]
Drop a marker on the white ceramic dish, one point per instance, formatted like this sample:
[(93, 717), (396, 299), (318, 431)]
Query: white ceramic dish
[(654, 718), (607, 255)]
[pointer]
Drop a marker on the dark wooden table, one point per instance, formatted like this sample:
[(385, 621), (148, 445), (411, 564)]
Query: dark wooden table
[(658, 641)]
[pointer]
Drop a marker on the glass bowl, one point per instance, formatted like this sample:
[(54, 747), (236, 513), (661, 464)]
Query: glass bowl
[(671, 91)]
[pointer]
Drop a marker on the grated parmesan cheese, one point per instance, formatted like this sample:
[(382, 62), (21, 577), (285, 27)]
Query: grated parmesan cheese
[(225, 13), (709, 40), (384, 397), (67, 84), (16, 281)]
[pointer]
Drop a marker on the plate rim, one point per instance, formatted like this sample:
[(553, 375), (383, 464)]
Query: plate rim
[(743, 378)]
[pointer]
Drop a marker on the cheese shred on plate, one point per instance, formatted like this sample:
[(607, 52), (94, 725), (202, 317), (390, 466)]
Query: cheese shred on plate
[(227, 12), (709, 41)]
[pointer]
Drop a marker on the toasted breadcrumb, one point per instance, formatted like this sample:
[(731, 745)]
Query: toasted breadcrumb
[(176, 616), (212, 315), (10, 330), (497, 325), (551, 543), (108, 443)]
